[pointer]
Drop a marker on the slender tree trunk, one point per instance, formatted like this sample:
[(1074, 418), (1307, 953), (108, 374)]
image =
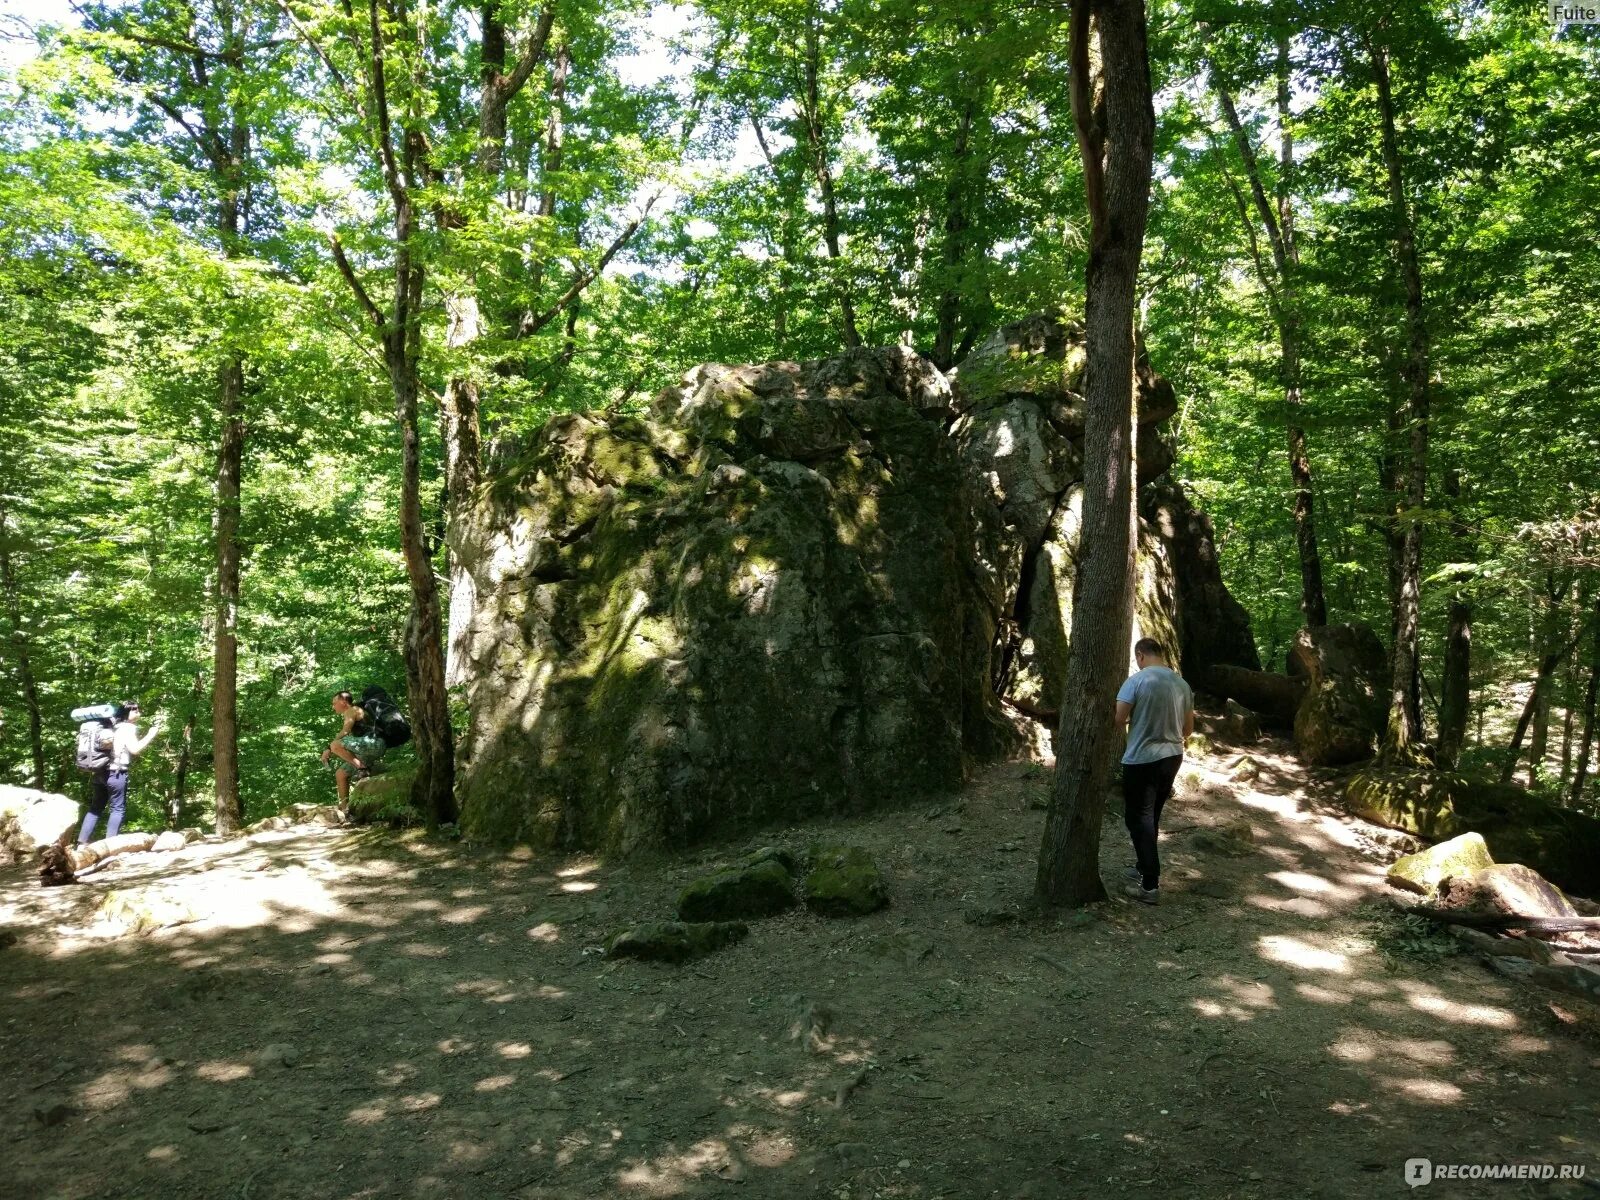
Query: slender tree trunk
[(1569, 721), (225, 657), (1580, 777), (21, 653), (1547, 668), (1405, 717), (1115, 137), (176, 808), (1455, 691), (817, 149), (956, 222)]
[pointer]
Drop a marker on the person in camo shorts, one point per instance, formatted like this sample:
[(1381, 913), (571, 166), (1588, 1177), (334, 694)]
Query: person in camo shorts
[(1157, 706), (356, 748)]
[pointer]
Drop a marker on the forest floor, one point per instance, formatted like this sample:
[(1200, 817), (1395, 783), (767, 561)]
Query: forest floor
[(369, 1014)]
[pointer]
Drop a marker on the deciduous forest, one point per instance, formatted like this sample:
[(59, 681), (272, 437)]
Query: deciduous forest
[(743, 440)]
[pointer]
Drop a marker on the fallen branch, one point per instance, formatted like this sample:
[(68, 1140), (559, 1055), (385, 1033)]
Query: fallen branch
[(63, 862), (1473, 920)]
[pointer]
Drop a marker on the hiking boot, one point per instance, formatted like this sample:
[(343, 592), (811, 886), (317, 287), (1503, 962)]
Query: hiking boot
[(1144, 895)]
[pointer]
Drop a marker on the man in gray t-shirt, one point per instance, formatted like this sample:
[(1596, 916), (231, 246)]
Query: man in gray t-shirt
[(1157, 707)]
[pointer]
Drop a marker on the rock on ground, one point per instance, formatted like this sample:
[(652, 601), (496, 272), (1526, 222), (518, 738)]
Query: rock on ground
[(844, 881), (30, 820), (1425, 870), (1341, 716), (675, 941), (750, 892), (1505, 888)]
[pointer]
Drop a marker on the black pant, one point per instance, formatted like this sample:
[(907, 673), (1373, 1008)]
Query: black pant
[(1145, 789)]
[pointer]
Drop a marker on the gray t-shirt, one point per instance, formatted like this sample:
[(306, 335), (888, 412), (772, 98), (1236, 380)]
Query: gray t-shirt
[(1161, 700)]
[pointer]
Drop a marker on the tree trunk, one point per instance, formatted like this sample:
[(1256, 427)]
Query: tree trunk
[(817, 149), (1115, 138), (21, 653), (1547, 668), (1455, 691), (180, 779), (1405, 717), (225, 658), (956, 221), (434, 791), (1580, 776)]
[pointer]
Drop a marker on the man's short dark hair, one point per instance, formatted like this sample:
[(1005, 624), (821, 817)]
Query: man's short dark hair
[(1150, 648), (346, 697)]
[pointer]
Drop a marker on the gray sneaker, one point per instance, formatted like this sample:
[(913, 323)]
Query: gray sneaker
[(1143, 894), (1133, 873)]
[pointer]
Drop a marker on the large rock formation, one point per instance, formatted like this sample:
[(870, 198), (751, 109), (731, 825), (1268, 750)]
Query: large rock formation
[(31, 820), (1341, 718), (788, 589)]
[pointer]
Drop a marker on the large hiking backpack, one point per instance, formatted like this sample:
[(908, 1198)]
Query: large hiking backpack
[(384, 718), (94, 744)]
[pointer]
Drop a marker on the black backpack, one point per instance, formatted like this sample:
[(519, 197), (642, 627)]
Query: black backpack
[(94, 745), (384, 718)]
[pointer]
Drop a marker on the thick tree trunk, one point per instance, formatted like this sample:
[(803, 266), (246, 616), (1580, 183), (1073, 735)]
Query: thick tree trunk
[(21, 654), (1455, 690), (1405, 717), (1115, 138), (956, 221), (225, 657), (1580, 777)]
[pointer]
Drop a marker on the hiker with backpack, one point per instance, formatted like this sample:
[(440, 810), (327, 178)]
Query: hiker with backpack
[(108, 742), (371, 729)]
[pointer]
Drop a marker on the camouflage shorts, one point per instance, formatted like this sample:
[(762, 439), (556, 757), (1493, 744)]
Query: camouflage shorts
[(368, 748)]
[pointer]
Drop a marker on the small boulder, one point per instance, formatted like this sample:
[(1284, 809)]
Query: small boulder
[(142, 911), (778, 854), (1425, 870), (749, 892), (169, 841), (32, 820), (1246, 770), (1509, 888), (1242, 725), (675, 941), (383, 800), (844, 882), (1197, 745)]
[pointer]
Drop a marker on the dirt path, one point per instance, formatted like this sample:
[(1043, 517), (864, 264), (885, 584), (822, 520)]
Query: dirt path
[(362, 1015)]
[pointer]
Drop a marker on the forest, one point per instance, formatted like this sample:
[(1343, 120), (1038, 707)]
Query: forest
[(748, 436)]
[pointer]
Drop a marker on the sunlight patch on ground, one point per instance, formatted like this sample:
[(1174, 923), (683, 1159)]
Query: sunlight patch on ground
[(494, 1083), (465, 915), (513, 1049), (1292, 952), (1464, 1014), (1247, 997), (222, 1072), (546, 931), (579, 885), (1322, 995), (1429, 1091)]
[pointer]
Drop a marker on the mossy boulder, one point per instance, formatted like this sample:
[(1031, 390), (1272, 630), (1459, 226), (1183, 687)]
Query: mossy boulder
[(675, 941), (1342, 713), (1425, 870), (1562, 845), (750, 892), (788, 590), (384, 800), (844, 881)]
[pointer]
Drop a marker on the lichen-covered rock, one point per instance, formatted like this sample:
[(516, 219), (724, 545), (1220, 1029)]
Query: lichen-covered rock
[(758, 890), (792, 589), (1342, 713), (675, 941), (1423, 871), (1509, 888), (1562, 845), (31, 820), (1240, 724), (844, 881)]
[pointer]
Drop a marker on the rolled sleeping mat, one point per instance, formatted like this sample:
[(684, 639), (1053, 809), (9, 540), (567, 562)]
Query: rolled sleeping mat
[(95, 712)]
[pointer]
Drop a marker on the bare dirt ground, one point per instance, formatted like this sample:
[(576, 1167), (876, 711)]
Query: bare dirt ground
[(363, 1014)]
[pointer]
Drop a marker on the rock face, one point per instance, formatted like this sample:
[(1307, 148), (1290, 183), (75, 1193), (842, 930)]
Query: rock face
[(790, 589), (1518, 826), (31, 820), (1341, 716)]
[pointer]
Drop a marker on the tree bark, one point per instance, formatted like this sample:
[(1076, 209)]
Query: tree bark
[(817, 151), (956, 222), (1405, 717), (225, 656), (1547, 668), (1580, 776), (1455, 690), (180, 778), (22, 653), (1115, 119)]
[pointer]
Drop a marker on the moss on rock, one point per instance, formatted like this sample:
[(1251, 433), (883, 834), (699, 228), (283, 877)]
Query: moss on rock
[(844, 881), (384, 800), (1425, 870), (1564, 846), (759, 890), (675, 941)]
